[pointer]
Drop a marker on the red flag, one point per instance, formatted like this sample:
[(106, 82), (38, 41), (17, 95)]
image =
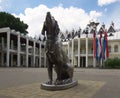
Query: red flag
[(107, 52)]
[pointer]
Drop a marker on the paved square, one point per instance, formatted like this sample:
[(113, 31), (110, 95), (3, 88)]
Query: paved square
[(93, 83), (84, 89)]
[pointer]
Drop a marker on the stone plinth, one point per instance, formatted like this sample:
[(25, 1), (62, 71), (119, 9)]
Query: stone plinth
[(54, 87)]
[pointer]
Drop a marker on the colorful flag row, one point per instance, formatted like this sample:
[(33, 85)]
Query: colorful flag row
[(100, 46)]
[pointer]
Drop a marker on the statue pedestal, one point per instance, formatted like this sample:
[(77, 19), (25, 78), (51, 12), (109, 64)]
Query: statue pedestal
[(54, 87)]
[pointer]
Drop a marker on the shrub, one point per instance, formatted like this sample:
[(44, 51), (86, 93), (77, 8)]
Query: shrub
[(112, 63)]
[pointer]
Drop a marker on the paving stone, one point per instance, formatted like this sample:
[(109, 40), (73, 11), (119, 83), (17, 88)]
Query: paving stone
[(84, 89)]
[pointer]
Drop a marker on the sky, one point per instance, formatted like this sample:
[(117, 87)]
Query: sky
[(70, 14)]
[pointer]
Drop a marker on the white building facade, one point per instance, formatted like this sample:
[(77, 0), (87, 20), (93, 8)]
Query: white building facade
[(17, 50), (81, 53)]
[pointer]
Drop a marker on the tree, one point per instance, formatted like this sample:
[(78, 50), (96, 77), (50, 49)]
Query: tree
[(8, 20)]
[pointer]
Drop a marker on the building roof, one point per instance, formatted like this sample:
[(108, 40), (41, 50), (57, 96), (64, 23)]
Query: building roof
[(111, 29), (116, 35)]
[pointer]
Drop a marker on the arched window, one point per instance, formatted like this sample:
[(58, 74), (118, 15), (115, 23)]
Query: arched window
[(116, 48)]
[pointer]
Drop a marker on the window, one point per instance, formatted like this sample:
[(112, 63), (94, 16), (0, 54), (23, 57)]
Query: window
[(116, 48)]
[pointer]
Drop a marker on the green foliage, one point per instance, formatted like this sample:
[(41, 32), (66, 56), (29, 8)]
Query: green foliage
[(112, 63), (8, 20)]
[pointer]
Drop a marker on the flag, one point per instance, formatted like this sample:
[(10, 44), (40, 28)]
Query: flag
[(105, 46), (101, 50), (97, 48), (94, 44)]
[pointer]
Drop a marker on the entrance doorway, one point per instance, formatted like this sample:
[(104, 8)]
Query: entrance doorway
[(82, 61)]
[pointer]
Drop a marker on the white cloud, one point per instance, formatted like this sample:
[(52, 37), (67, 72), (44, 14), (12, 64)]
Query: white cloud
[(105, 9), (68, 18), (115, 16), (0, 5), (106, 2), (95, 14)]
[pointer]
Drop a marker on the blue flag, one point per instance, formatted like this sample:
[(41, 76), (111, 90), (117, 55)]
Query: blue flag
[(97, 50)]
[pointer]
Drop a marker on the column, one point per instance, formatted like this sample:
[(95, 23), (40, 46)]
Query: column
[(40, 54), (3, 45), (8, 49), (2, 53), (78, 52), (73, 52), (34, 53), (18, 50), (86, 50), (27, 52)]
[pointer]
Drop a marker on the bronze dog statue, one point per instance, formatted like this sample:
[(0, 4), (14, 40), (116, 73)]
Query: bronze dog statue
[(55, 55)]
